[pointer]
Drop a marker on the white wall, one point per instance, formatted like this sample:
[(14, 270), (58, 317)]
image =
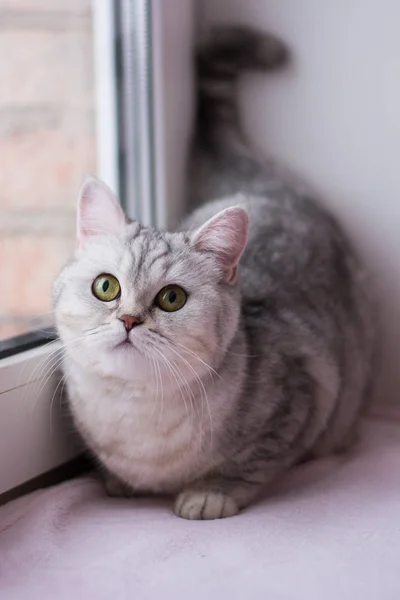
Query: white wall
[(173, 37), (334, 117)]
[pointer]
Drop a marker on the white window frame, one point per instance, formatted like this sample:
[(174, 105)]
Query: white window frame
[(29, 445)]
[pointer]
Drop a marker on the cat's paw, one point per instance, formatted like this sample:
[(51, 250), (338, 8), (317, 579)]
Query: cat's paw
[(205, 504), (116, 488)]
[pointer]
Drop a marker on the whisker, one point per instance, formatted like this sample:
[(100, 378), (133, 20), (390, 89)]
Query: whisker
[(176, 373), (25, 364), (153, 370), (203, 393), (194, 355), (62, 381)]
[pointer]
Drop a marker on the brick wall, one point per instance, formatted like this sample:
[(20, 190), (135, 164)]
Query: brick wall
[(47, 144)]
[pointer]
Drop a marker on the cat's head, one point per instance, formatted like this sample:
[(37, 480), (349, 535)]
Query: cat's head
[(136, 301)]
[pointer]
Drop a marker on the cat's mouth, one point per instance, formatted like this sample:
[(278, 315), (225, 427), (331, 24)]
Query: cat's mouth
[(126, 343)]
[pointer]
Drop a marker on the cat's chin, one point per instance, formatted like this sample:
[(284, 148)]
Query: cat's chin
[(126, 362)]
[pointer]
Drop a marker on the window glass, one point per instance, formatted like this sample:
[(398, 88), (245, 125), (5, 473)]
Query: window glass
[(47, 144)]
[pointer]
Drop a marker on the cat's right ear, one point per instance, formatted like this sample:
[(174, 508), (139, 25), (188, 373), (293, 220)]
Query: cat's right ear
[(99, 211)]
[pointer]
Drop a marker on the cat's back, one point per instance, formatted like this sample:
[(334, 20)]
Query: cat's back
[(306, 301), (298, 270), (293, 243)]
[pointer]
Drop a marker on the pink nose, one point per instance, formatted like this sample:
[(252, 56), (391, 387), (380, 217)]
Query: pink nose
[(129, 322)]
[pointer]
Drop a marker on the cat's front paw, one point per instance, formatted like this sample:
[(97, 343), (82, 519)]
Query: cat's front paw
[(205, 504), (116, 488)]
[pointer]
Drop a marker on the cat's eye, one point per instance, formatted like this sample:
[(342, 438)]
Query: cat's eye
[(171, 298), (106, 287)]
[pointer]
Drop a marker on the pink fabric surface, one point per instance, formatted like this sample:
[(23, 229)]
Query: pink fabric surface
[(330, 530)]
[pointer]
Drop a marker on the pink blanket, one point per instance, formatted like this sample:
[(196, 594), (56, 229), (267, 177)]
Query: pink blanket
[(330, 530)]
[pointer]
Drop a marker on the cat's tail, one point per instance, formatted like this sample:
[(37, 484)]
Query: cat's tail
[(221, 59)]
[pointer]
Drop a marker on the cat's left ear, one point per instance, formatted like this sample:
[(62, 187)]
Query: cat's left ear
[(99, 211), (225, 236)]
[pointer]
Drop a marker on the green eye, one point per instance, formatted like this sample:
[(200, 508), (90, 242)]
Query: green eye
[(106, 287), (171, 298)]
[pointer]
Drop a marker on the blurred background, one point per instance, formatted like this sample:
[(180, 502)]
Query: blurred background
[(47, 144)]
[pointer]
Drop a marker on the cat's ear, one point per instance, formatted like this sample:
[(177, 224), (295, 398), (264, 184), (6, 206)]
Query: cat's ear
[(99, 211), (224, 235)]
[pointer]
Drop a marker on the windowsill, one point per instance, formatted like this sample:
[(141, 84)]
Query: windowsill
[(34, 437)]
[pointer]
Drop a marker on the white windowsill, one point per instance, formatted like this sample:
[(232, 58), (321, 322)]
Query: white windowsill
[(33, 440)]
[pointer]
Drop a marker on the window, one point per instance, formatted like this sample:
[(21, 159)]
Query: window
[(99, 87), (47, 143)]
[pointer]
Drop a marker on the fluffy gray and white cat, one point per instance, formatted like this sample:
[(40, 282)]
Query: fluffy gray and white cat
[(202, 363)]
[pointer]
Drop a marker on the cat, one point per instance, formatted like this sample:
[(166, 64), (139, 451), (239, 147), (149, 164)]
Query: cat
[(203, 363)]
